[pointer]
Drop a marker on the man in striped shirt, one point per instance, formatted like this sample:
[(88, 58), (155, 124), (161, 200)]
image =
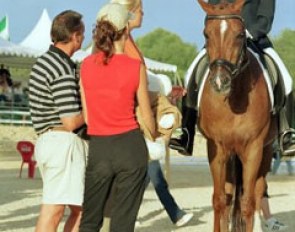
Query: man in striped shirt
[(56, 112)]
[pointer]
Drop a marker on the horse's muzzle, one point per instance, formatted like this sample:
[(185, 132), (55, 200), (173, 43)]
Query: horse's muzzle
[(220, 80)]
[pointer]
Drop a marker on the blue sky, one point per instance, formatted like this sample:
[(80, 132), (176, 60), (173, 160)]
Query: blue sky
[(183, 17)]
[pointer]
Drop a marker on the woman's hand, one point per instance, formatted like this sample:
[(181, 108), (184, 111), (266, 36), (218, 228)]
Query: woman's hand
[(176, 94)]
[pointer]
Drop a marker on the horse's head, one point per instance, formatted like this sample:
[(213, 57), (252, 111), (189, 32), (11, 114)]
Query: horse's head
[(225, 43)]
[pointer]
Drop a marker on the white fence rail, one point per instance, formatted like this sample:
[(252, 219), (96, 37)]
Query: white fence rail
[(17, 116)]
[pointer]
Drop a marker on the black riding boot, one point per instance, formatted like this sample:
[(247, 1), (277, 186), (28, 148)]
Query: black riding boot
[(184, 144)]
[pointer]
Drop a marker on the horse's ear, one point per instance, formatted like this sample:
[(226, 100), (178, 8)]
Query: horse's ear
[(238, 4), (206, 6)]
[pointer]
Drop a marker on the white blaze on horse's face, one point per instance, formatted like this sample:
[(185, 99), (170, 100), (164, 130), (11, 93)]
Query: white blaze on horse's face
[(223, 28), (220, 78)]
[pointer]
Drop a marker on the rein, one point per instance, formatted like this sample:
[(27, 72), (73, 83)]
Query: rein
[(243, 61)]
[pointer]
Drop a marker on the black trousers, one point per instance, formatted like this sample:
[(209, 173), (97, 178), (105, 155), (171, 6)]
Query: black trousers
[(120, 159)]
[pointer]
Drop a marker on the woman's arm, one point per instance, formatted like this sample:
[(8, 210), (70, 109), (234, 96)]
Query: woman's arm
[(84, 107), (144, 102)]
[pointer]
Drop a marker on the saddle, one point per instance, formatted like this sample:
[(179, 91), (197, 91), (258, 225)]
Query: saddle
[(195, 81), (276, 82)]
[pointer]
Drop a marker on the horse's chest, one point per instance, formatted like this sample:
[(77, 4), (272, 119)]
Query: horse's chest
[(228, 129)]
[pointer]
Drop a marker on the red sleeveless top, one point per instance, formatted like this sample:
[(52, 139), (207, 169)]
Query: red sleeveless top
[(110, 92)]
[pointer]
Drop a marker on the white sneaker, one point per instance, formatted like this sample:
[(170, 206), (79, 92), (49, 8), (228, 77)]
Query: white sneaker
[(184, 220), (273, 224)]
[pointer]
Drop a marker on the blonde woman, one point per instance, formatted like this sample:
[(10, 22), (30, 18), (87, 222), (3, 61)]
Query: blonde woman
[(178, 216)]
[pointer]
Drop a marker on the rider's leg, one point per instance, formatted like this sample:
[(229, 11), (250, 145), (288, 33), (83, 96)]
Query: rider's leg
[(185, 143), (288, 81), (286, 113)]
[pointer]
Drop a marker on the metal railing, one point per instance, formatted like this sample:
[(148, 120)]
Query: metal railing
[(15, 115)]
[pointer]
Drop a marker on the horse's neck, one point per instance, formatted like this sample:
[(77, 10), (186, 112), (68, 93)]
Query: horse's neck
[(252, 72), (246, 81)]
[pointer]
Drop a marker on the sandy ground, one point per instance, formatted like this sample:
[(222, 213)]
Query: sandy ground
[(190, 184)]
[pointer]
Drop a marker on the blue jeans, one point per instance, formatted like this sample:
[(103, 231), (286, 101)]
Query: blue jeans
[(155, 175)]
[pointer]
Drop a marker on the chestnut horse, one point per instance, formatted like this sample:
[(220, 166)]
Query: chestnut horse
[(235, 117)]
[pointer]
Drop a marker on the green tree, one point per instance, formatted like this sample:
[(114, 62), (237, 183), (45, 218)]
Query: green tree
[(167, 47), (284, 44)]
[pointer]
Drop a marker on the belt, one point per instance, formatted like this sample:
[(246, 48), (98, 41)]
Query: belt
[(57, 129), (54, 129)]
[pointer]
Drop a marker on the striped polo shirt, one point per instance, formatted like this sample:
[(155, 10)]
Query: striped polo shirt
[(53, 90)]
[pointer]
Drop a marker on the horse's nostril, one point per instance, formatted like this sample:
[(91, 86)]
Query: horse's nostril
[(221, 82), (226, 83), (225, 80)]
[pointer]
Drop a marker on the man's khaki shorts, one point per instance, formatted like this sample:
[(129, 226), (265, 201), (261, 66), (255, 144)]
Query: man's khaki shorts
[(61, 157)]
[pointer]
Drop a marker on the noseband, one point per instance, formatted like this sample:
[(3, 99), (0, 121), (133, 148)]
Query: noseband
[(242, 62)]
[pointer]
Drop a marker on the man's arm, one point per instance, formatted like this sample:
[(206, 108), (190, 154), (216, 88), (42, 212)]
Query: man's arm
[(66, 95), (264, 18), (72, 122)]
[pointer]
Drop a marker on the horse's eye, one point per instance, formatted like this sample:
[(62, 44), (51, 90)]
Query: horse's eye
[(206, 35)]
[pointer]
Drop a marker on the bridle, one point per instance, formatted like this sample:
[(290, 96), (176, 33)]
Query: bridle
[(242, 62)]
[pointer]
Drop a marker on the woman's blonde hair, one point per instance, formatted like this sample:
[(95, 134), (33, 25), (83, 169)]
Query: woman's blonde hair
[(130, 4)]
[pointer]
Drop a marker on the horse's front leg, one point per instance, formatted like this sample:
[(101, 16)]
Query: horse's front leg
[(261, 185), (251, 160), (217, 160)]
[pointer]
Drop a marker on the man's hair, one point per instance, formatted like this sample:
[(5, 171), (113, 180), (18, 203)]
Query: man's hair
[(64, 25)]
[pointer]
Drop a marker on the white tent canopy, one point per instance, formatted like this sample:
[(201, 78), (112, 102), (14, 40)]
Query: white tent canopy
[(38, 42), (151, 64), (13, 55), (39, 37), (159, 66), (8, 48)]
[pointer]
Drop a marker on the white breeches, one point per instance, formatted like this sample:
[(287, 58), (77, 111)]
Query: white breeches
[(191, 68), (287, 79)]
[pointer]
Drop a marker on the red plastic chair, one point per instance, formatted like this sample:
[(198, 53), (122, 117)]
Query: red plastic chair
[(26, 149)]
